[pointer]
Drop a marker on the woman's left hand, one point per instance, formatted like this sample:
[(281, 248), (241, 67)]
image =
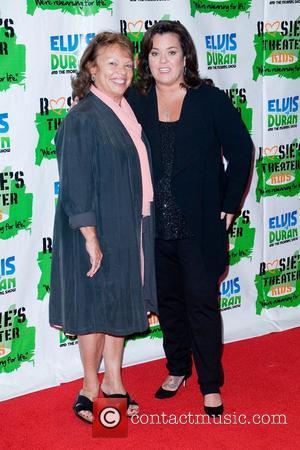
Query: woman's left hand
[(229, 218)]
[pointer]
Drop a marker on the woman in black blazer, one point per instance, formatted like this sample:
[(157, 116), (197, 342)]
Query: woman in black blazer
[(191, 126)]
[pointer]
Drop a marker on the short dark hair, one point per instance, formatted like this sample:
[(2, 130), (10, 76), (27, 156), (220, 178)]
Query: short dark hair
[(191, 75), (82, 82)]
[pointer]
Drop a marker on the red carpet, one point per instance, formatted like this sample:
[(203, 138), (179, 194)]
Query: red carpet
[(262, 377)]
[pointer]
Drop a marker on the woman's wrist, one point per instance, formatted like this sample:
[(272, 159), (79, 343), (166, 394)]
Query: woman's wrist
[(89, 233)]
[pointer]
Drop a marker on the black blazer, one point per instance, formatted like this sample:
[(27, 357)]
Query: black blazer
[(209, 127)]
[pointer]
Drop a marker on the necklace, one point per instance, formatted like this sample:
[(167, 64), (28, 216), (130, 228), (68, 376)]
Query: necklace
[(170, 108)]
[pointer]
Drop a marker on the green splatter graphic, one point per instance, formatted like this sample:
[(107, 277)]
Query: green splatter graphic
[(241, 241), (278, 288), (242, 106), (271, 62), (278, 177), (44, 261), (154, 333), (45, 126), (17, 215), (79, 7), (229, 8), (12, 62), (17, 345)]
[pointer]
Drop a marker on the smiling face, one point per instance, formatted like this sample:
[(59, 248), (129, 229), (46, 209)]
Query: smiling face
[(166, 60), (113, 71)]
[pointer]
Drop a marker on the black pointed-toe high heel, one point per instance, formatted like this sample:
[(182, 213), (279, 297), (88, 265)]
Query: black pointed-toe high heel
[(162, 393), (214, 411)]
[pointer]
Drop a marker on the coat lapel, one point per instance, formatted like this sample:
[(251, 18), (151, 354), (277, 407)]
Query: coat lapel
[(186, 154)]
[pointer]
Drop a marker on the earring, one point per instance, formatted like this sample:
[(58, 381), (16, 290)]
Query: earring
[(184, 70), (93, 78)]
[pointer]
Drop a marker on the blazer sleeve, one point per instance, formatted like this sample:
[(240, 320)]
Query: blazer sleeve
[(237, 149), (75, 144)]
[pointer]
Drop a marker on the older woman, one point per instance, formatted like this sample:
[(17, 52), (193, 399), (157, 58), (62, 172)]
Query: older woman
[(102, 282), (190, 126)]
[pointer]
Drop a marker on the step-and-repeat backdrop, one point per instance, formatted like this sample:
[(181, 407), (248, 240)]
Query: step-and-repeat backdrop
[(250, 48)]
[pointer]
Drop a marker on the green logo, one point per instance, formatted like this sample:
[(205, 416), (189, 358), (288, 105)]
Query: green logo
[(230, 294), (66, 340), (82, 8), (135, 31), (154, 332), (12, 57), (17, 339), (7, 275), (223, 8), (221, 51), (278, 170), (15, 204), (277, 50), (47, 122), (238, 96), (241, 238), (4, 137), (283, 228), (278, 283), (44, 260)]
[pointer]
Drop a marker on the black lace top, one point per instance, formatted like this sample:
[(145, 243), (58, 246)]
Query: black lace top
[(170, 222)]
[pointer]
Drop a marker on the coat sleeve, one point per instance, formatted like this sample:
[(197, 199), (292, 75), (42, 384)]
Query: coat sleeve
[(237, 149), (75, 144)]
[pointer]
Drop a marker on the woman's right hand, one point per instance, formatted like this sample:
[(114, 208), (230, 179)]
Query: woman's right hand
[(93, 248)]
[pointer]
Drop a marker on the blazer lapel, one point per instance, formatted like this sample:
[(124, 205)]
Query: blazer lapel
[(185, 153)]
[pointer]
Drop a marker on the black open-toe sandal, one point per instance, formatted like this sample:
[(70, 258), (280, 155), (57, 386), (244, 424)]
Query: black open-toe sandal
[(82, 403), (130, 401)]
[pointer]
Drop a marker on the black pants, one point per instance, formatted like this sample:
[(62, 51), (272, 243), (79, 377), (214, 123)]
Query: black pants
[(189, 313)]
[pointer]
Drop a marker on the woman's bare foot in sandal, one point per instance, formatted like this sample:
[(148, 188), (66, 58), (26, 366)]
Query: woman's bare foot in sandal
[(91, 394), (109, 389)]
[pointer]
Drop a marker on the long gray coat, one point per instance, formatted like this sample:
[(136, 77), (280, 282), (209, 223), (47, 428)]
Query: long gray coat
[(100, 185)]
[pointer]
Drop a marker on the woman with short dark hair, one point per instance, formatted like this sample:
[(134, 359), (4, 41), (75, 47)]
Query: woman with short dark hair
[(102, 281), (190, 126)]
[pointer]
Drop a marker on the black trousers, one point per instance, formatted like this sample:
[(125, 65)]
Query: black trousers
[(189, 313)]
